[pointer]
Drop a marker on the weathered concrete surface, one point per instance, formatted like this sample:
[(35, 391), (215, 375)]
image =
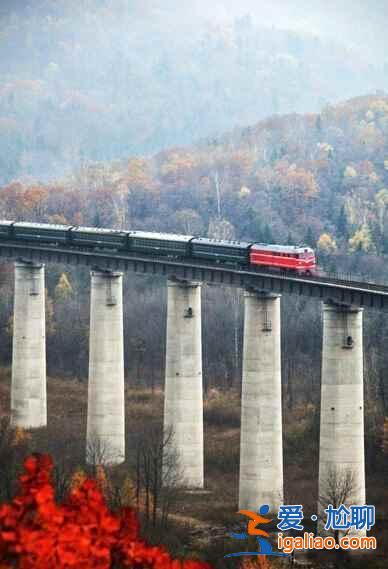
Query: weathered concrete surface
[(341, 458), (261, 453), (106, 412), (28, 390), (183, 407)]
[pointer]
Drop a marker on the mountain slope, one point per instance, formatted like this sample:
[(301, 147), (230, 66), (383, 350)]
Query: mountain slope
[(319, 178), (86, 80)]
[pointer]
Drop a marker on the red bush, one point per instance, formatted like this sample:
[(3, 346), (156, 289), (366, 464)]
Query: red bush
[(38, 533)]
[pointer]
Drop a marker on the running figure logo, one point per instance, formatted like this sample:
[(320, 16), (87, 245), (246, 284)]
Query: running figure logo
[(256, 519)]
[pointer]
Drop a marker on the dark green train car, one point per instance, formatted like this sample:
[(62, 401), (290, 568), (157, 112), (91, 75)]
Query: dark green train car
[(144, 242), (98, 237), (6, 229), (235, 252), (42, 232)]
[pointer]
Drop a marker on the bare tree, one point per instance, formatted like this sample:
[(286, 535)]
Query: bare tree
[(97, 452), (157, 473), (338, 487), (62, 479)]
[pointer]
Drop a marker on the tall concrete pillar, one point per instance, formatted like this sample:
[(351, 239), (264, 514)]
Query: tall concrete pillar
[(261, 452), (106, 412), (28, 389), (183, 404), (341, 451)]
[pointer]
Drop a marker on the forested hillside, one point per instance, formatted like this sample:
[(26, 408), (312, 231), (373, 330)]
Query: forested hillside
[(316, 178), (100, 80)]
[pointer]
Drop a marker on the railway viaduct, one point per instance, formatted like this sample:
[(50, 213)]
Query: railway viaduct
[(261, 458)]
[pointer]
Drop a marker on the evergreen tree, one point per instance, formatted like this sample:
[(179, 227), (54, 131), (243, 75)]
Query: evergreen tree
[(97, 220), (309, 237), (342, 224), (267, 234)]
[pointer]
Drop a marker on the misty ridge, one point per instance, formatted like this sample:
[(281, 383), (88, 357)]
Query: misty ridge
[(106, 79)]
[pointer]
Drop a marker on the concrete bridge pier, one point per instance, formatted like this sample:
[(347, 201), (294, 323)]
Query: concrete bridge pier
[(341, 452), (28, 388), (183, 406), (261, 452), (105, 438)]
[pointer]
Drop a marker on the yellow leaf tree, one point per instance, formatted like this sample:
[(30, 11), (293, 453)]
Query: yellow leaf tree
[(361, 240), (326, 244), (63, 289)]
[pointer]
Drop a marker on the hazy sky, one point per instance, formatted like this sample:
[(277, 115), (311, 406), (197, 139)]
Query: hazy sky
[(359, 23), (367, 19)]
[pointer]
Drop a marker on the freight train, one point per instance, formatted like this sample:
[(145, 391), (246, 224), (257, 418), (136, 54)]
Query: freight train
[(299, 259)]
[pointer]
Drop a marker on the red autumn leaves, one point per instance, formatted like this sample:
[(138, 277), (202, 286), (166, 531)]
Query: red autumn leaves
[(38, 533)]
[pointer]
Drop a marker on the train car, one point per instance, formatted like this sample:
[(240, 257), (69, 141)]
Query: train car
[(300, 259), (6, 229), (42, 232), (166, 244), (98, 237), (221, 251), (291, 258)]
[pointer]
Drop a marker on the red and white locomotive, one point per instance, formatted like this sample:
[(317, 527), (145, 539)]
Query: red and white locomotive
[(299, 259)]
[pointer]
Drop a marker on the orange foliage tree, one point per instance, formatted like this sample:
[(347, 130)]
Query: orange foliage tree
[(38, 533)]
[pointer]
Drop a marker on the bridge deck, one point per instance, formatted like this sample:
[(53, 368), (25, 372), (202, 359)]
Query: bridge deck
[(364, 294)]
